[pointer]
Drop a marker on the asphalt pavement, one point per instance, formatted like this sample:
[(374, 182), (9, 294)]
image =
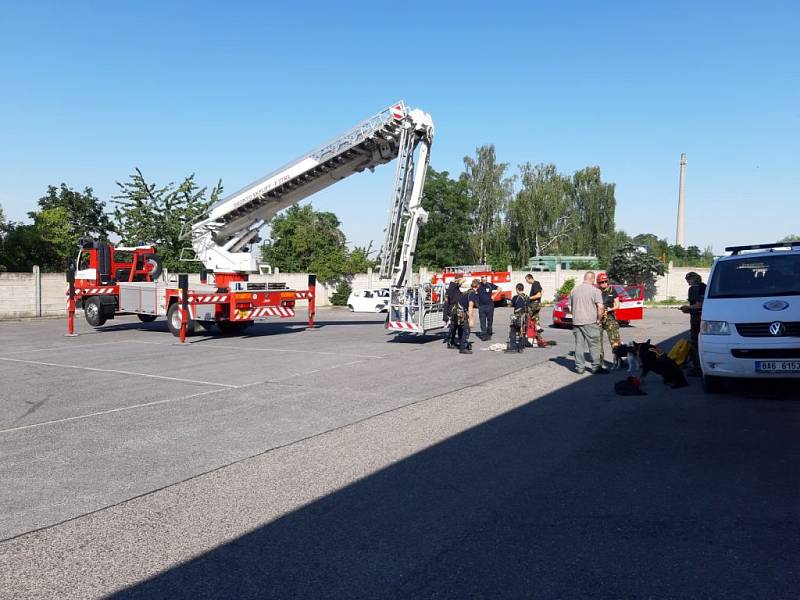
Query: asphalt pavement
[(346, 463)]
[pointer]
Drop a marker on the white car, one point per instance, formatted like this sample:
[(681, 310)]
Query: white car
[(375, 300), (751, 315)]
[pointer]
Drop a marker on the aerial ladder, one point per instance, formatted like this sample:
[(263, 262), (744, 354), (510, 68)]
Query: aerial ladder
[(222, 238)]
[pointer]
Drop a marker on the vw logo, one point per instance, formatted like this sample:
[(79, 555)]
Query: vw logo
[(777, 328), (776, 305)]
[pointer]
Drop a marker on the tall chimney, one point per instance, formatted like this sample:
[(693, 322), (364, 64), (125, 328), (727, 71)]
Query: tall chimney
[(679, 234)]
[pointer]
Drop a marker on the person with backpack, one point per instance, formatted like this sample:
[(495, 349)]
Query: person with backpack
[(519, 320), (451, 312), (464, 313)]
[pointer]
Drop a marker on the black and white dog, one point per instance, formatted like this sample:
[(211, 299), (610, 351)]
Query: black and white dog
[(626, 354)]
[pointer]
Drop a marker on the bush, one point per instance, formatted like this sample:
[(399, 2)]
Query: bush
[(565, 288), (584, 265), (339, 297)]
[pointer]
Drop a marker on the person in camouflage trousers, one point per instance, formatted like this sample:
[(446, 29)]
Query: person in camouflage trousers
[(608, 323)]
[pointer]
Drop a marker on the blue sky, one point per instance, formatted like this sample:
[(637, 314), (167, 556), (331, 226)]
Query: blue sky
[(233, 90)]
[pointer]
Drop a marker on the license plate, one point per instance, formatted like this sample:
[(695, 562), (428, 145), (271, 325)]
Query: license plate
[(567, 317), (778, 366)]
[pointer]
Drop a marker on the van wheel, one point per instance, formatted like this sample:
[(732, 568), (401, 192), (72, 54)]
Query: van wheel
[(147, 318), (94, 312), (712, 384), (174, 321)]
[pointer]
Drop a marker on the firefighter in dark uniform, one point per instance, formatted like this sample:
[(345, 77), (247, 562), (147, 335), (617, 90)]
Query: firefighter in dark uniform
[(452, 296), (467, 305), (519, 320), (486, 307), (697, 292), (609, 322)]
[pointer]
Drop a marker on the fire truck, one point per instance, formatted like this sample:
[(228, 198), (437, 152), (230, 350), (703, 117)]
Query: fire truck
[(502, 279), (106, 280)]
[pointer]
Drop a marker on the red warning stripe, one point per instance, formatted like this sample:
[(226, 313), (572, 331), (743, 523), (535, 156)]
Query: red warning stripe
[(403, 326)]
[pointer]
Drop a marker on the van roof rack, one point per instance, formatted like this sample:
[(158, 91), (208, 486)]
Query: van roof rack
[(734, 250)]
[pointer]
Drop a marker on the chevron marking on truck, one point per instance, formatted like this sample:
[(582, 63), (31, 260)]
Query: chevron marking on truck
[(404, 326), (263, 311), (207, 299)]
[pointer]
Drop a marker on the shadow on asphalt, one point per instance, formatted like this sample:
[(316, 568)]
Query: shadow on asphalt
[(403, 338), (576, 494), (255, 330)]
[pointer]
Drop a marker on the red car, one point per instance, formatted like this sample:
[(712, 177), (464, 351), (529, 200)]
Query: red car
[(631, 306)]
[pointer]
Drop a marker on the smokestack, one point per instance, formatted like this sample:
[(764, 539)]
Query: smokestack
[(679, 234)]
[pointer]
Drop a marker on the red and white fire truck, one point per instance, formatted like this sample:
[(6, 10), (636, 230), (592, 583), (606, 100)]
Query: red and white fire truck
[(502, 279), (111, 280), (108, 280)]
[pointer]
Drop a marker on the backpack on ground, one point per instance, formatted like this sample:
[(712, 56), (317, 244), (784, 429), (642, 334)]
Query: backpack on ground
[(680, 352)]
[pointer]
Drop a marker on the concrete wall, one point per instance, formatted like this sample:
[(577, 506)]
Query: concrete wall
[(43, 294), (32, 294)]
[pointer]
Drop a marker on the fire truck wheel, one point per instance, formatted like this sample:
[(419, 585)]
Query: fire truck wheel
[(147, 318), (174, 321), (94, 312), (229, 328)]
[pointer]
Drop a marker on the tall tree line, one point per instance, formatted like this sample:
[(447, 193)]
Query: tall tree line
[(503, 219)]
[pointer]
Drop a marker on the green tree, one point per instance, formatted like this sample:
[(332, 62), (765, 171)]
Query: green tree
[(342, 293), (304, 240), (86, 213), (445, 239), (489, 189), (62, 218), (596, 205), (360, 259), (3, 233), (148, 214), (23, 247), (542, 214), (631, 267), (790, 238), (566, 288), (620, 238)]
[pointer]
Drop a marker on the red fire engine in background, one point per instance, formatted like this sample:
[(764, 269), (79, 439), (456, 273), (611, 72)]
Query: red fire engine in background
[(502, 279)]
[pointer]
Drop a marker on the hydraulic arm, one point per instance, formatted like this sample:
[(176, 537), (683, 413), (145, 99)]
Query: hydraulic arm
[(221, 239)]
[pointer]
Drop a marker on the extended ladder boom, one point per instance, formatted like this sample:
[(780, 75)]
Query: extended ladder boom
[(220, 239)]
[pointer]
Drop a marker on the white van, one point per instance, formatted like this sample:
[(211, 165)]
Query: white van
[(751, 315)]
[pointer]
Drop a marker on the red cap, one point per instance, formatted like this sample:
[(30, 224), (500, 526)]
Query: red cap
[(602, 277)]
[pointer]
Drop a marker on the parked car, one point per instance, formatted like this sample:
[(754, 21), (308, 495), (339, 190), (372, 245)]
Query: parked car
[(631, 306), (375, 300), (750, 324)]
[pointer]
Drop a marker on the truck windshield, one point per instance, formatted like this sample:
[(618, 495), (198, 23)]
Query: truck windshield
[(753, 277)]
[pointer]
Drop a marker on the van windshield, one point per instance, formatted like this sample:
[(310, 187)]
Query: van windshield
[(753, 277)]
